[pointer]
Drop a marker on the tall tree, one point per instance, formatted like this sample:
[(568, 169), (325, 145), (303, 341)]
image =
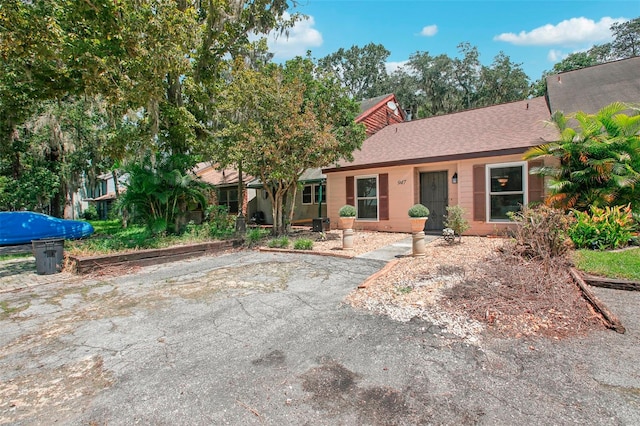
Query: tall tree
[(362, 70), (281, 120), (503, 81), (626, 39), (158, 58), (467, 75), (435, 78)]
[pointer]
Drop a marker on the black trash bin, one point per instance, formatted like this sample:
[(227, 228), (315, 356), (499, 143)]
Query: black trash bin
[(49, 254), (320, 224)]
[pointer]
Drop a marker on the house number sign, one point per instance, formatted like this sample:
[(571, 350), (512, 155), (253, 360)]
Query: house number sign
[(402, 182)]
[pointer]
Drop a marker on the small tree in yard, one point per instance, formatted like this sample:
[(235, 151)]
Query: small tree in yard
[(279, 121), (456, 222)]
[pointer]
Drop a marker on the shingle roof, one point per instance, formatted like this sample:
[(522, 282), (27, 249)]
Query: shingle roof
[(590, 89), (367, 104), (213, 176), (500, 129)]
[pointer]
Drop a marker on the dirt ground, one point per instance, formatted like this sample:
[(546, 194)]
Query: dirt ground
[(469, 286)]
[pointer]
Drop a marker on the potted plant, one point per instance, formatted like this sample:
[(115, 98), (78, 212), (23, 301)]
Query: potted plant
[(418, 215), (347, 215)]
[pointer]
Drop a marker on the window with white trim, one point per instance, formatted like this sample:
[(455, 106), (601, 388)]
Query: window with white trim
[(506, 190), (307, 194), (311, 194), (367, 197)]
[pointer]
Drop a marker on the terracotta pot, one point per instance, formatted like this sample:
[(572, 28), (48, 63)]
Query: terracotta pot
[(346, 222), (417, 224)]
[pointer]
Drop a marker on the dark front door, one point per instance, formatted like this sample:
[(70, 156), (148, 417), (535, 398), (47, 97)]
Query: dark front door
[(434, 193)]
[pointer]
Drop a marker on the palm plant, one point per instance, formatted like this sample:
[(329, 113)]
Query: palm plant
[(598, 160), (159, 195)]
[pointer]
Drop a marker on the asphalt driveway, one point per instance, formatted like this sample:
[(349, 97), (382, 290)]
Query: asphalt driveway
[(263, 338)]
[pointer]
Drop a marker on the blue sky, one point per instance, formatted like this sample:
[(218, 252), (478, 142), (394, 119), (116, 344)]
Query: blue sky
[(536, 34)]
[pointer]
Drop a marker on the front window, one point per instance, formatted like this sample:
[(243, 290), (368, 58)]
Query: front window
[(307, 194), (314, 194), (506, 190), (367, 197), (228, 197)]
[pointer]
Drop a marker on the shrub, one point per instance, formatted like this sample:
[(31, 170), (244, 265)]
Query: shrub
[(303, 244), (541, 232), (90, 213), (221, 223), (418, 210), (253, 236), (347, 211), (455, 220), (602, 228), (282, 242)]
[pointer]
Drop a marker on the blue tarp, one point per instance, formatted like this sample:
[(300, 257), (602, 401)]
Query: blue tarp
[(24, 227)]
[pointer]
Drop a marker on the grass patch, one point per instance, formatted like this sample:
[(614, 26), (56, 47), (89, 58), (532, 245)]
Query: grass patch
[(14, 256), (623, 264), (282, 242), (111, 237), (303, 244)]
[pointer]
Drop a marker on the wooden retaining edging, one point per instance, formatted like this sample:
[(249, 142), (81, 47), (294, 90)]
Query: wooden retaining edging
[(613, 283), (609, 318), (88, 264)]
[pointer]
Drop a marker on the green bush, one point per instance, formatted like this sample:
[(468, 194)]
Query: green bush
[(347, 211), (303, 244), (90, 213), (602, 228), (418, 210), (253, 236), (455, 220), (221, 223), (282, 242)]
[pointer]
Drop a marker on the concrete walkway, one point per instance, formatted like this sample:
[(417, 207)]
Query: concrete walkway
[(401, 248)]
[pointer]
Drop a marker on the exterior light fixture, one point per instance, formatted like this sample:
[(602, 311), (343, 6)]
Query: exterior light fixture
[(454, 178)]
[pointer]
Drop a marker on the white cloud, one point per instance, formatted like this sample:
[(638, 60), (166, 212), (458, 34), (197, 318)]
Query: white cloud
[(301, 37), (570, 32), (393, 66), (429, 30), (556, 55)]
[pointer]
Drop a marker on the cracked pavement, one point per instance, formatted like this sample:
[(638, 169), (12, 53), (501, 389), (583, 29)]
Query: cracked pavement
[(264, 338)]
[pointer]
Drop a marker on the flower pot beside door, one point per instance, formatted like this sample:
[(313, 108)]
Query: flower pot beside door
[(347, 218), (418, 215)]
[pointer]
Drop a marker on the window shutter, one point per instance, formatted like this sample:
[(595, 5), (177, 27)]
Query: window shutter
[(351, 200), (479, 193), (383, 197), (535, 184)]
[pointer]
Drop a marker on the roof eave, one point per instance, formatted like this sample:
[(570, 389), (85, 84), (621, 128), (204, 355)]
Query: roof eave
[(425, 160)]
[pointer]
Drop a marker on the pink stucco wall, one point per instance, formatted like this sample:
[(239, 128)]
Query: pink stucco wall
[(404, 191)]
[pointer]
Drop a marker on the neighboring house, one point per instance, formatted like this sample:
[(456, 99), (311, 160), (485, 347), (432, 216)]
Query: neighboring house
[(471, 158), (377, 113), (310, 202), (225, 183), (103, 194), (590, 89)]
